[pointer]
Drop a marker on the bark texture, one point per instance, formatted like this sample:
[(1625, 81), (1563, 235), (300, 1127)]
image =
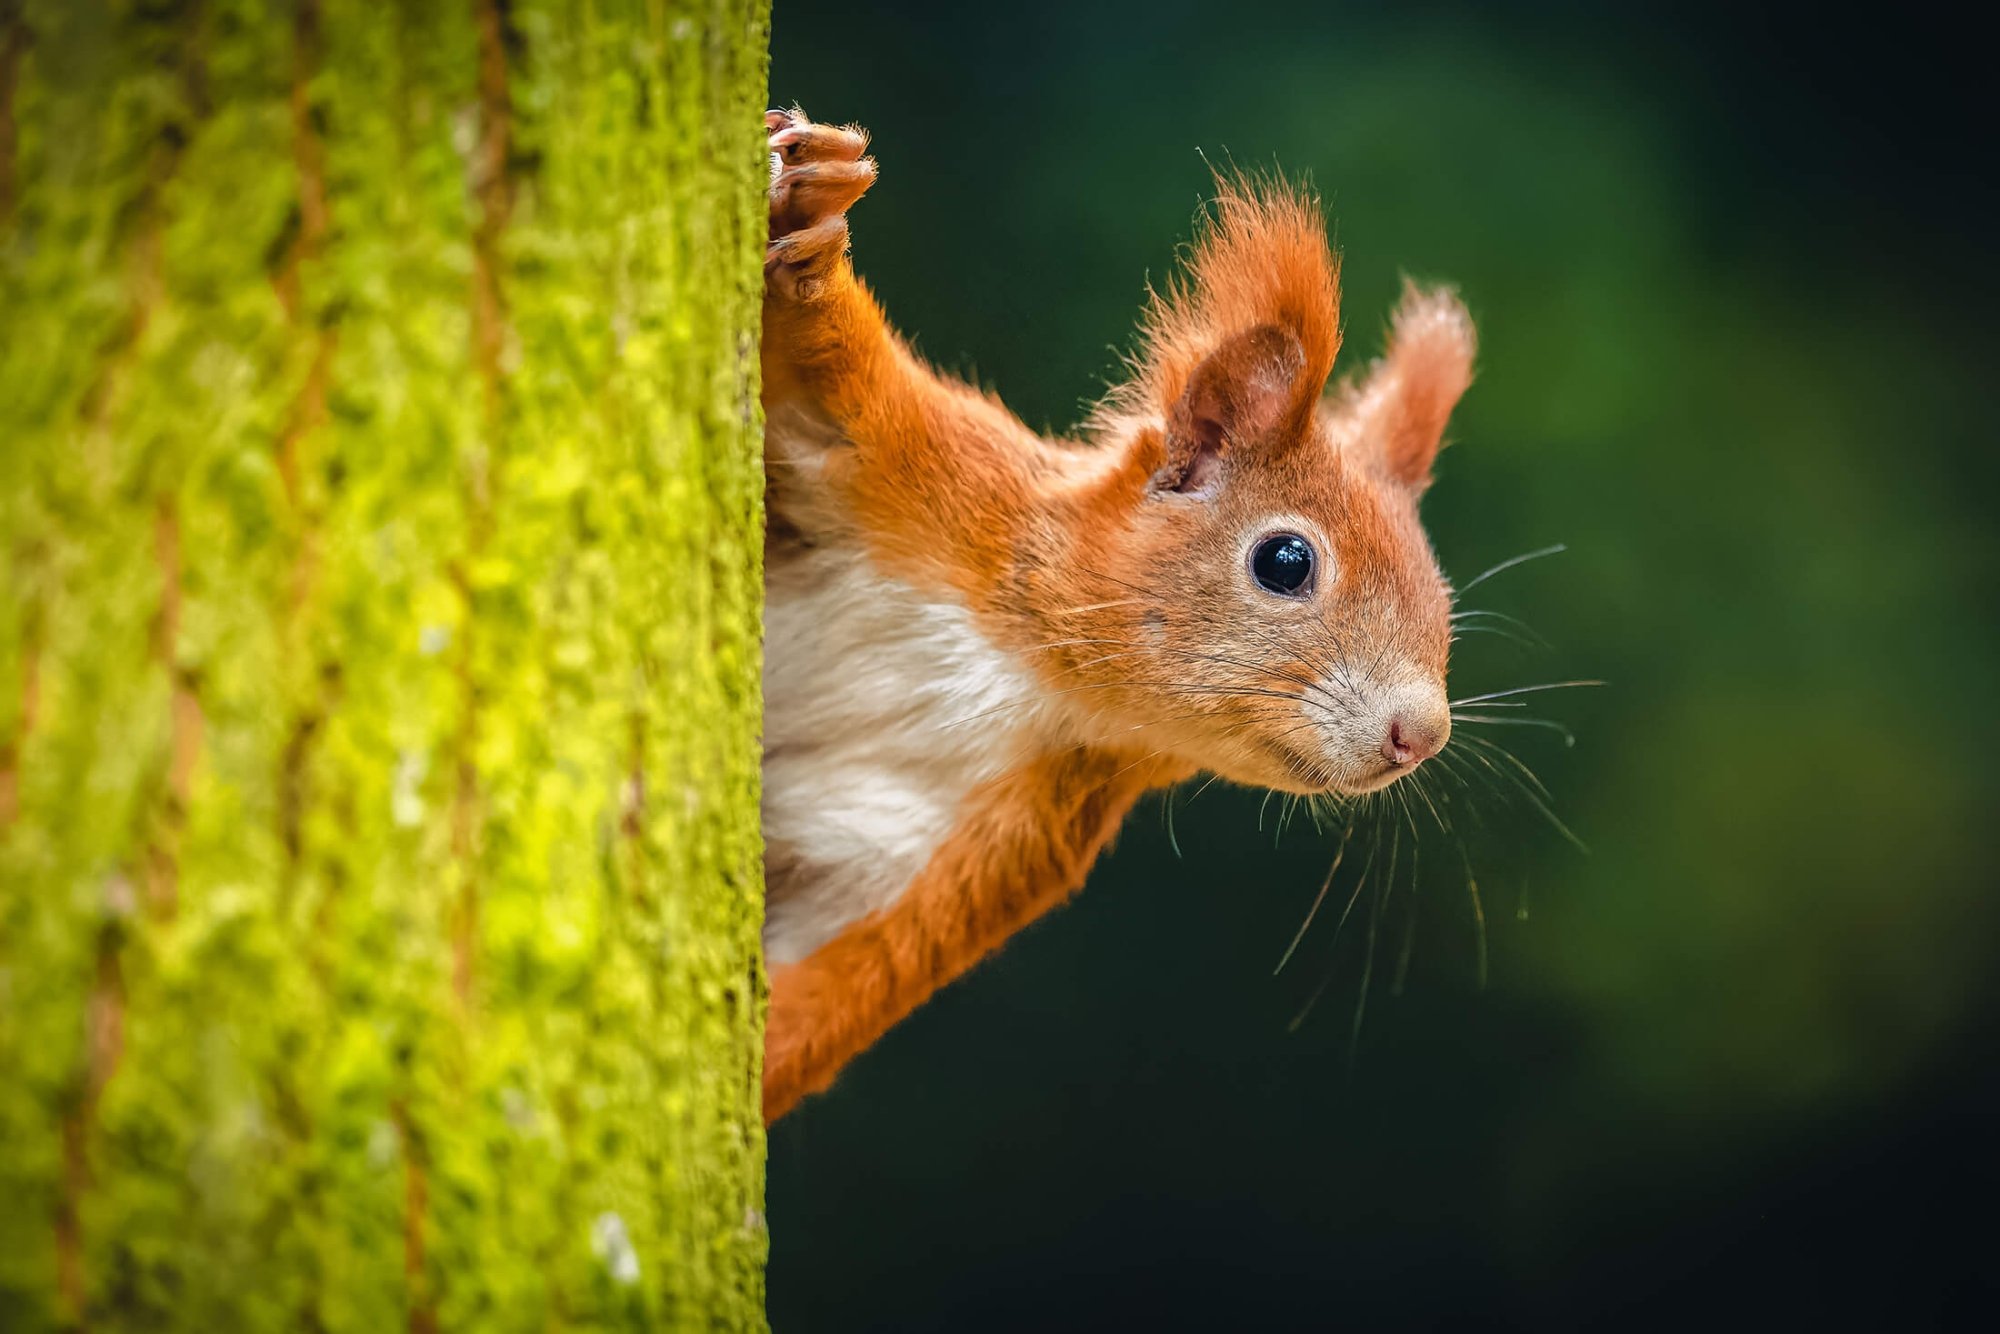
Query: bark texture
[(379, 688)]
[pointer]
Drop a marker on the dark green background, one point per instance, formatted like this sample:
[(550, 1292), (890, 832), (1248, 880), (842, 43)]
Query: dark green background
[(1734, 273)]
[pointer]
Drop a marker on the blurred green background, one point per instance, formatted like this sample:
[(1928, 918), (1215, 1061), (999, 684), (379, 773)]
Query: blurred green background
[(1734, 275)]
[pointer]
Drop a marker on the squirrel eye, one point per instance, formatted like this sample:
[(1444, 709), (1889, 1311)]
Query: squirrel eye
[(1283, 564)]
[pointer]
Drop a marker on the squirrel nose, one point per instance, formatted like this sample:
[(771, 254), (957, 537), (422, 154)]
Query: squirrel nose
[(1412, 740)]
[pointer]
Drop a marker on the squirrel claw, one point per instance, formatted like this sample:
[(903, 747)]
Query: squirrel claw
[(817, 173)]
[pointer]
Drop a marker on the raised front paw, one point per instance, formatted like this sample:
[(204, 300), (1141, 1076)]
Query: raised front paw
[(817, 172)]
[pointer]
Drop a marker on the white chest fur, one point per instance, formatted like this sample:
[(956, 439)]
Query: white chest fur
[(883, 707)]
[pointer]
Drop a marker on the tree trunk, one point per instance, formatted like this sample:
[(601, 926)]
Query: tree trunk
[(379, 688)]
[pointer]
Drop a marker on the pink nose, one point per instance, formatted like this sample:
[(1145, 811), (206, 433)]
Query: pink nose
[(1411, 741)]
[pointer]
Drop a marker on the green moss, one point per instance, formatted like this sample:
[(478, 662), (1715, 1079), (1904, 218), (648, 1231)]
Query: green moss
[(387, 806)]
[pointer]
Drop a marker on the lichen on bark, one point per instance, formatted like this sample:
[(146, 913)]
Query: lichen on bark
[(380, 518)]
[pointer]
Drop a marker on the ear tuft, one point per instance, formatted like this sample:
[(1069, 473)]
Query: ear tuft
[(1405, 402), (1260, 258), (1244, 393)]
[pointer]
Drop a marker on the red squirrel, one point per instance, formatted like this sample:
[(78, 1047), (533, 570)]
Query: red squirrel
[(983, 646)]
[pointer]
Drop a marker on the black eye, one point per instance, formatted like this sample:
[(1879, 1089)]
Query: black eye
[(1283, 564)]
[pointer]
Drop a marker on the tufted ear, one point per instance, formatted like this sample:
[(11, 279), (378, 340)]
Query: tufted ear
[(1247, 392), (1406, 400)]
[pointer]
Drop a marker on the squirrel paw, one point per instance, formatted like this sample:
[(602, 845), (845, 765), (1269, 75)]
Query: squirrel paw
[(817, 172)]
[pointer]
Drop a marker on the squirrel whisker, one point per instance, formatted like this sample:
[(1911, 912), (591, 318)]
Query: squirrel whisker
[(1524, 690), (1508, 564), (1548, 724)]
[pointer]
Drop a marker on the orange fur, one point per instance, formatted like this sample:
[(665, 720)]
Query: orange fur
[(1113, 570), (1262, 260), (1407, 398), (1024, 845)]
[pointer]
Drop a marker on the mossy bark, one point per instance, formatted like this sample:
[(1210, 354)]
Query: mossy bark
[(380, 533)]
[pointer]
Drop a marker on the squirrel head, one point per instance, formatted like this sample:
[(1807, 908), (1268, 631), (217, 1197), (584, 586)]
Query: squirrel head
[(1252, 592)]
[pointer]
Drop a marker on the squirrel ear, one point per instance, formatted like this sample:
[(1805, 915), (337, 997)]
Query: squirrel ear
[(1241, 394), (1403, 405)]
